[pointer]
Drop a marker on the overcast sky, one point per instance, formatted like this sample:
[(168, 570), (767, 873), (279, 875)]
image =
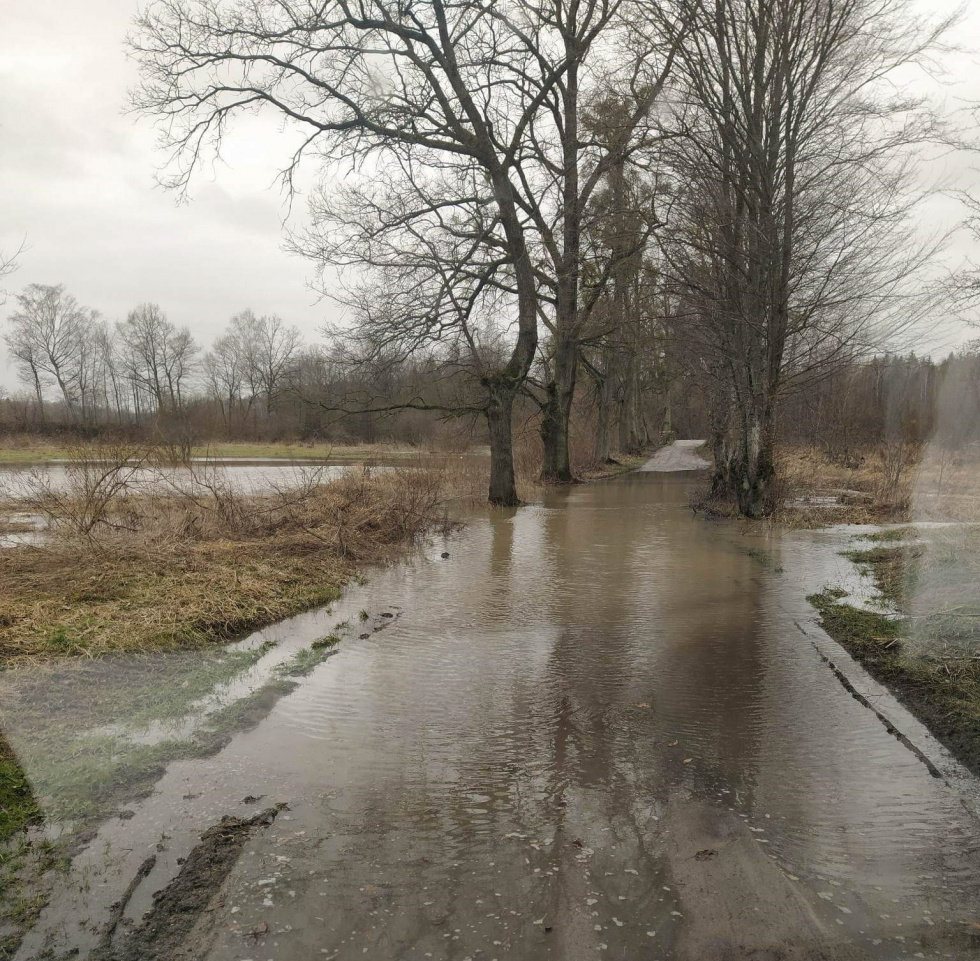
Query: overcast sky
[(77, 182)]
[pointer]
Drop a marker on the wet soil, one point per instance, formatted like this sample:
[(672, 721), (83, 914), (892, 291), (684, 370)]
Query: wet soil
[(173, 927), (596, 727)]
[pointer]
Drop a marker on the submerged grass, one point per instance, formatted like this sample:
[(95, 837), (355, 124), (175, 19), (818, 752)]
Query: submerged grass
[(18, 806), (81, 777), (929, 653)]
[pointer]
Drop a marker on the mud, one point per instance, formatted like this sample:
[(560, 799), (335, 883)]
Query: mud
[(173, 928)]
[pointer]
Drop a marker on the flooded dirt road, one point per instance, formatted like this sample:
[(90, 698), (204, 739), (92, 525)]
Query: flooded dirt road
[(681, 455), (599, 728)]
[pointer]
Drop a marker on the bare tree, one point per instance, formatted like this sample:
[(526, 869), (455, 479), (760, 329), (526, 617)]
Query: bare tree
[(364, 80), (159, 357), (623, 57), (224, 367), (794, 189), (8, 264), (48, 337), (271, 349)]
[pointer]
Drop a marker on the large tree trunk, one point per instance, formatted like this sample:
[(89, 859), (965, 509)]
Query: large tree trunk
[(560, 391), (500, 407), (720, 413), (755, 470), (557, 412)]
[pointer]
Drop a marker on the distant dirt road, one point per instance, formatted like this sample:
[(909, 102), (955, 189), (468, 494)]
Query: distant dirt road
[(681, 455)]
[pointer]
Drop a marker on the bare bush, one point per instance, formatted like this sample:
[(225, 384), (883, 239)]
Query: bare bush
[(100, 478)]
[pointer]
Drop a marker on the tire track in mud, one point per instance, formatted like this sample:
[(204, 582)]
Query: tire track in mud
[(178, 909)]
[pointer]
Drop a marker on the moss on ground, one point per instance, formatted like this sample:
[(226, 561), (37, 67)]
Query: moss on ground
[(18, 806)]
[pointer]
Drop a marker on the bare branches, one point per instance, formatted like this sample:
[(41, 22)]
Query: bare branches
[(795, 195)]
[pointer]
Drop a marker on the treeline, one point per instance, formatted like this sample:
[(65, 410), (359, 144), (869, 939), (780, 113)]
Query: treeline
[(84, 372), (259, 380), (887, 402)]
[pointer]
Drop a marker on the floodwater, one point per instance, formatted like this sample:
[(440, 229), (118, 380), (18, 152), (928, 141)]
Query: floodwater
[(601, 727), (258, 475)]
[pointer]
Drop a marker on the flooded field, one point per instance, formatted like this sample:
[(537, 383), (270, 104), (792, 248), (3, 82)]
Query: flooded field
[(254, 476), (595, 727)]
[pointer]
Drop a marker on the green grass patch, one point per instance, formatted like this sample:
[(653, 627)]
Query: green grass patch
[(938, 682), (331, 640), (18, 806), (304, 662), (894, 569), (891, 535)]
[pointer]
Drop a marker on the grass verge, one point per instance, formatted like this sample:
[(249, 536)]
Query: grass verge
[(928, 653)]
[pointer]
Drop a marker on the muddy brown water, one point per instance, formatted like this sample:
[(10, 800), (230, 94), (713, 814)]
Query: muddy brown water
[(600, 728)]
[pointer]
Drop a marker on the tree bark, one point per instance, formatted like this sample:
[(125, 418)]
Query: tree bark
[(499, 413), (755, 467), (556, 414), (604, 409), (561, 388)]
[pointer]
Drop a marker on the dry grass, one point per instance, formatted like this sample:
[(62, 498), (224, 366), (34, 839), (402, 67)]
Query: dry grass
[(179, 569), (882, 485), (127, 566), (815, 490), (947, 485)]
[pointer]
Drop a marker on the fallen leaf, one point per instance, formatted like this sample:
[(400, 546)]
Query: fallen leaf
[(688, 760), (641, 704), (673, 744)]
